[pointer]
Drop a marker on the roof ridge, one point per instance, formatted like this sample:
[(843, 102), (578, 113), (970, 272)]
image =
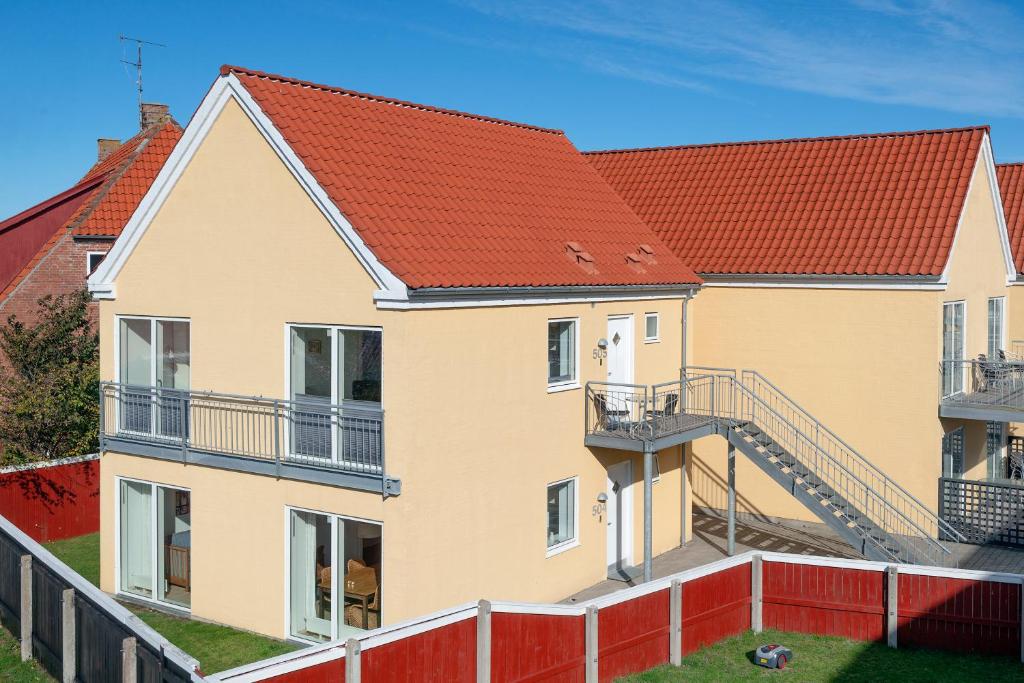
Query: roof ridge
[(228, 69), (824, 138), (1010, 163)]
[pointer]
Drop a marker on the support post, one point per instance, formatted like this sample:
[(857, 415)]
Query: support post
[(67, 629), (891, 603), (591, 645), (756, 593), (731, 542), (129, 662), (675, 621), (1022, 623), (684, 509), (483, 642), (648, 511), (353, 671), (26, 608)]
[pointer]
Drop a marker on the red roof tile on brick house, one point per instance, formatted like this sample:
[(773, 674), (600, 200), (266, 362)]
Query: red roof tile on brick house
[(1011, 189), (866, 205), (449, 199)]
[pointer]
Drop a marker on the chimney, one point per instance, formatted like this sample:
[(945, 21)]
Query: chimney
[(105, 147), (154, 113)]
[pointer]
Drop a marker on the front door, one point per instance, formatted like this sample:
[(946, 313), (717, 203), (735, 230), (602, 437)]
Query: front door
[(620, 349), (619, 515)]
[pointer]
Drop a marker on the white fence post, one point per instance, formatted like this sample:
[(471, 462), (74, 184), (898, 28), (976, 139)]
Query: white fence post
[(891, 603), (675, 619), (26, 608), (67, 627), (756, 593), (591, 641), (483, 642), (129, 662), (353, 671)]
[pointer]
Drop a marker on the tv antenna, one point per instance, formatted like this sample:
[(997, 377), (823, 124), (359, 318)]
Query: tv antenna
[(137, 64)]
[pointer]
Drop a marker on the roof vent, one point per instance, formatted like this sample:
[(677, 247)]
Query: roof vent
[(581, 258), (646, 254), (635, 263)]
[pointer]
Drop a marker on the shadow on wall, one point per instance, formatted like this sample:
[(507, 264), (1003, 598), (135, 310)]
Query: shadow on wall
[(711, 490), (52, 502)]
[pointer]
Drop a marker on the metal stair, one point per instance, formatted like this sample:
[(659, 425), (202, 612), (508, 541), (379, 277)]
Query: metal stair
[(852, 496)]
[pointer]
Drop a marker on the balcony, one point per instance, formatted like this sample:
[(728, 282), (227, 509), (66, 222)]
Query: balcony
[(982, 389), (339, 445), (626, 416)]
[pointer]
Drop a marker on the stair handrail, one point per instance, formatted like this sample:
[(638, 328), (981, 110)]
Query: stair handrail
[(939, 522), (868, 490)]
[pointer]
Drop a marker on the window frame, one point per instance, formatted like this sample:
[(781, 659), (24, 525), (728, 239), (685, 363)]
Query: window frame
[(657, 324), (574, 541), (955, 387), (574, 381), (89, 270), (1001, 341)]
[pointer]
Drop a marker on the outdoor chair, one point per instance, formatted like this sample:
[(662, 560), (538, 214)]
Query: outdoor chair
[(671, 402), (607, 419), (1016, 464)]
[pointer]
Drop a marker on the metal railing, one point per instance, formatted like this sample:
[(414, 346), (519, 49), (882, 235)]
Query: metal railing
[(983, 383), (345, 437), (637, 411)]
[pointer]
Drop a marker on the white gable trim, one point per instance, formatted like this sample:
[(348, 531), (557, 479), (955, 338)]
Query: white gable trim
[(102, 282), (987, 158)]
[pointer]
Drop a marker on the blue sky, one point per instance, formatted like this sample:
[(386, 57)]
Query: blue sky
[(611, 74)]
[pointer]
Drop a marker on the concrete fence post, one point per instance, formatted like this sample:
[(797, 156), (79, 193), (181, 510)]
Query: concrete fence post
[(891, 603), (353, 671), (26, 608), (675, 621), (1022, 622), (483, 642), (67, 629), (756, 593), (129, 661), (591, 647)]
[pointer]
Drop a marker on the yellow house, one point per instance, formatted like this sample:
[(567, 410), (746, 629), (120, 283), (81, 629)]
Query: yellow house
[(347, 344), (862, 276)]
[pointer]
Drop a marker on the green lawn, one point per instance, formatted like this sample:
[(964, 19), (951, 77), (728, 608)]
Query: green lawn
[(216, 647), (820, 658), (12, 668)]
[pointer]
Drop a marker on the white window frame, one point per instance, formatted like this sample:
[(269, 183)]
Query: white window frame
[(963, 347), (334, 517), (157, 547), (657, 337), (1002, 323), (153, 362), (89, 270), (656, 461), (573, 542), (574, 382)]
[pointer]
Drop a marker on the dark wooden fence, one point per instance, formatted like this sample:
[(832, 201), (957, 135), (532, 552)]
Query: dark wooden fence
[(984, 512), (656, 623), (76, 631), (54, 500)]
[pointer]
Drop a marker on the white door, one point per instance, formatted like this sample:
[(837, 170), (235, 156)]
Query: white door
[(620, 349), (619, 515)]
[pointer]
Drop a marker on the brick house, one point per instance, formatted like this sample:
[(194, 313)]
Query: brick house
[(52, 247)]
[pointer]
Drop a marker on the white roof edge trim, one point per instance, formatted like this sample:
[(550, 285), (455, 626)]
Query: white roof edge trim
[(985, 157), (102, 282)]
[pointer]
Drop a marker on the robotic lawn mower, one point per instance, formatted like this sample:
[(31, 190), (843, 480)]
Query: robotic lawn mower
[(773, 656)]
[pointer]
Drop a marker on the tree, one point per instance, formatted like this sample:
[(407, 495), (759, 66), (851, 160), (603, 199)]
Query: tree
[(49, 382)]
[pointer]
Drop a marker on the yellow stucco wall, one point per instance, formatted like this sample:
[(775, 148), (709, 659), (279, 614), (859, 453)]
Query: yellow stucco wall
[(865, 362), (470, 428)]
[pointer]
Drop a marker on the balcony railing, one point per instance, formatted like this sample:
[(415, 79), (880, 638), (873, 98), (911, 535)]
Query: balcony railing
[(994, 389), (290, 439)]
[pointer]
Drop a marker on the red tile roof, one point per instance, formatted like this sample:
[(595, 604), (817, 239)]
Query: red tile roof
[(882, 204), (1011, 188), (450, 199), (123, 178)]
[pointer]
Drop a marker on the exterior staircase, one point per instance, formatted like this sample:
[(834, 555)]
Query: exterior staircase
[(862, 504)]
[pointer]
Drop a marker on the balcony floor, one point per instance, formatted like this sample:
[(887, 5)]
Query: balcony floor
[(984, 405), (668, 431)]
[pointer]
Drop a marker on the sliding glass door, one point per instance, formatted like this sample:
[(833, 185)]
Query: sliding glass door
[(334, 576), (155, 543), (155, 371)]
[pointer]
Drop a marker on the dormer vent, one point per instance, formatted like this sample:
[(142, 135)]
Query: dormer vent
[(646, 254), (581, 258)]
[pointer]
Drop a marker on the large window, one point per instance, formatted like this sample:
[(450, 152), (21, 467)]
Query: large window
[(995, 326), (952, 348), (155, 541), (154, 365), (562, 531), (562, 356), (334, 568)]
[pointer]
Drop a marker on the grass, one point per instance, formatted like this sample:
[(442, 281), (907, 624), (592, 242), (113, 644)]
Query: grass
[(216, 647), (822, 658), (12, 669)]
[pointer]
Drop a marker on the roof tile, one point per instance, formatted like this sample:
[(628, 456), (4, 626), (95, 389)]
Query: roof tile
[(1011, 188)]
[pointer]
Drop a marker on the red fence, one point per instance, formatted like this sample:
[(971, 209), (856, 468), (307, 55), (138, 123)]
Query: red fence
[(52, 501), (638, 628)]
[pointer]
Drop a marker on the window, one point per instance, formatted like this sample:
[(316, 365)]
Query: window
[(562, 353), (93, 259), (995, 326), (652, 327), (561, 515), (953, 454), (656, 469), (995, 449), (952, 348), (154, 367), (147, 513)]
